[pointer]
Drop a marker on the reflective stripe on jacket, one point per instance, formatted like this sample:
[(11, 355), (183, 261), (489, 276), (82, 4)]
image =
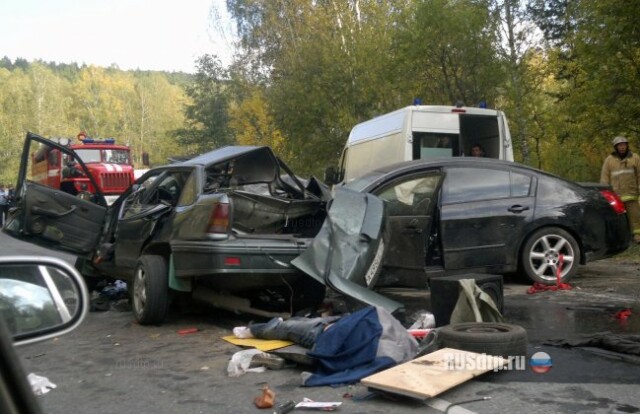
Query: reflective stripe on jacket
[(622, 174)]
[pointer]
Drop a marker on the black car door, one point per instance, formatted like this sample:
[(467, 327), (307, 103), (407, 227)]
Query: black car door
[(48, 216), (484, 212), (410, 202)]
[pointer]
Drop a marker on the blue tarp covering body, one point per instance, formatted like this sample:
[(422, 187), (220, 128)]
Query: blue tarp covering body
[(358, 345)]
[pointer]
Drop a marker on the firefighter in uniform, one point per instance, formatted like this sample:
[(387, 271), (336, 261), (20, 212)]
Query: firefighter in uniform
[(621, 170)]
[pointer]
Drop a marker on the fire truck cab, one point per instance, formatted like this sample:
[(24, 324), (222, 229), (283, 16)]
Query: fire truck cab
[(109, 164)]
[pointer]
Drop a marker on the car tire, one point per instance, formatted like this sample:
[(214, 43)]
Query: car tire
[(491, 338), (541, 252), (150, 290)]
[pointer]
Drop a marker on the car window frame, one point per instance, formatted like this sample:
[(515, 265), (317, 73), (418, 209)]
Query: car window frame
[(196, 181), (395, 181), (509, 171)]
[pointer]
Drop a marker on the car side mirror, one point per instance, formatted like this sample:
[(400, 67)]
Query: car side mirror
[(331, 176), (40, 297)]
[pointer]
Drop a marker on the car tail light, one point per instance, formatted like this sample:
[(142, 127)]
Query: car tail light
[(614, 201), (232, 261), (219, 219)]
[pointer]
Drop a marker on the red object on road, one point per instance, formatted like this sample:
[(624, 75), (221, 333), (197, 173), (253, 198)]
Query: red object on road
[(541, 287), (188, 331), (624, 314), (419, 333)]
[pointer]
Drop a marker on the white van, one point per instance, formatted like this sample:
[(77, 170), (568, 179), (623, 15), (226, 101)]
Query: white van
[(419, 132)]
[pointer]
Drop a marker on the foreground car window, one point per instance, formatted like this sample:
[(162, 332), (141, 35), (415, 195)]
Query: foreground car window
[(474, 184), (190, 191), (520, 185), (410, 197)]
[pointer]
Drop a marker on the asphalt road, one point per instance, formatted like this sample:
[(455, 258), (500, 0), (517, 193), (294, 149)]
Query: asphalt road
[(113, 365)]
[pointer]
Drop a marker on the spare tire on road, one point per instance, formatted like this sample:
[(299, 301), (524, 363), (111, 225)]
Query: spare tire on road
[(491, 338)]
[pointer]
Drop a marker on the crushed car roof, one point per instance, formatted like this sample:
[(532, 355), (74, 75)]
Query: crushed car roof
[(223, 154)]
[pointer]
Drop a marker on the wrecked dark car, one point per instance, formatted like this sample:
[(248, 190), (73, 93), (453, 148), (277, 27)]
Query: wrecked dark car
[(223, 227)]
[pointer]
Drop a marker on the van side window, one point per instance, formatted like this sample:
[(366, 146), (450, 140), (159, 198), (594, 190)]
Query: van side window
[(434, 145)]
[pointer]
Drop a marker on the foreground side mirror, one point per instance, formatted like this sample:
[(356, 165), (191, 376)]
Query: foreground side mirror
[(40, 297), (331, 176)]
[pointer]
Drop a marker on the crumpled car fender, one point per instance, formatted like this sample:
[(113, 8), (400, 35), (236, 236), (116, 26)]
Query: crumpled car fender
[(347, 248)]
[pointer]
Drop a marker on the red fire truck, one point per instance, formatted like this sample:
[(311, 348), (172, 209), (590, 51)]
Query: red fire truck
[(109, 164)]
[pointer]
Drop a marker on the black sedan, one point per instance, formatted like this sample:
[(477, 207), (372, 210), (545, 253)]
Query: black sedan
[(459, 215)]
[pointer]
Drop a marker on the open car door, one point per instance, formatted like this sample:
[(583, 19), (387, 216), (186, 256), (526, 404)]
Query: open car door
[(69, 220)]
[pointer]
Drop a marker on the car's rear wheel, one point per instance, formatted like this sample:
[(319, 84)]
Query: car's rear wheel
[(541, 255), (150, 290)]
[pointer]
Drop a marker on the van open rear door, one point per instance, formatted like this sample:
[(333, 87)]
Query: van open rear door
[(480, 130)]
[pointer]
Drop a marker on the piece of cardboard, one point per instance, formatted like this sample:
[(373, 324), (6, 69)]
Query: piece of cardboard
[(434, 373), (265, 345)]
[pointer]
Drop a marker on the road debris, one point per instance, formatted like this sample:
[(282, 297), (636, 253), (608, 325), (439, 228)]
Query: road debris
[(40, 385), (267, 399), (188, 331)]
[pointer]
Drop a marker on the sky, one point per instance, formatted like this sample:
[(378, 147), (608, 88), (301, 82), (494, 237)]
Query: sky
[(166, 35)]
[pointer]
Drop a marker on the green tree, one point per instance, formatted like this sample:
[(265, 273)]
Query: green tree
[(157, 112), (14, 113), (206, 113), (593, 53), (141, 109), (447, 53), (325, 66)]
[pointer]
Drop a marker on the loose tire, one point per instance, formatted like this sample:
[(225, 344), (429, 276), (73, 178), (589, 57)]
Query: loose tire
[(150, 290), (541, 255), (491, 338)]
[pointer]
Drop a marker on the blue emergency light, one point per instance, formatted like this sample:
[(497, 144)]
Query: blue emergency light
[(104, 141)]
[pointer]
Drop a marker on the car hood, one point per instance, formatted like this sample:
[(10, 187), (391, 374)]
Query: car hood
[(347, 253)]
